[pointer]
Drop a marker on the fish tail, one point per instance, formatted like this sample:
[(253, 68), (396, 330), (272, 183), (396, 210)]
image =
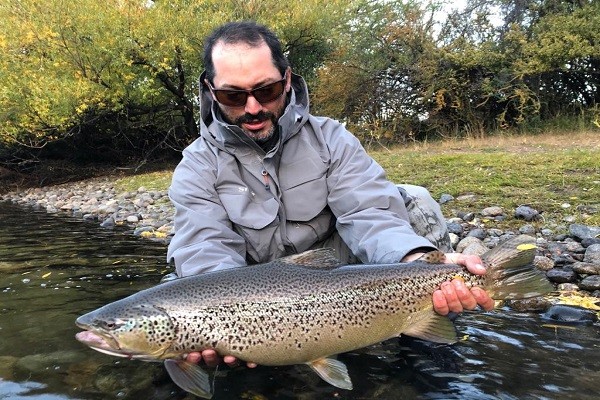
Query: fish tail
[(511, 273)]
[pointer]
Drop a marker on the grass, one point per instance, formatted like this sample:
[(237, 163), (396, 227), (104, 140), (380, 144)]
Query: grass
[(545, 171)]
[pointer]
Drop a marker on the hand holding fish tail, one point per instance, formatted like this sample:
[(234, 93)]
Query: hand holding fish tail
[(212, 359), (454, 295)]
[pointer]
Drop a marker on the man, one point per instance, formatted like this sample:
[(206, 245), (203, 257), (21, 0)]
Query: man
[(268, 179)]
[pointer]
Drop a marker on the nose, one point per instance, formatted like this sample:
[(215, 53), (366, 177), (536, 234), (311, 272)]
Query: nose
[(252, 107)]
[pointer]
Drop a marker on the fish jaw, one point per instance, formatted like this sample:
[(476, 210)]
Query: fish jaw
[(100, 343), (137, 332)]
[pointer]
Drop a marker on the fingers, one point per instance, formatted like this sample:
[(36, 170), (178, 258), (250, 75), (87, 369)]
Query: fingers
[(212, 359), (472, 262), (455, 296)]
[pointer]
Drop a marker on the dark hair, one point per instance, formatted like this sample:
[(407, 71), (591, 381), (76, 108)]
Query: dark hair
[(248, 32)]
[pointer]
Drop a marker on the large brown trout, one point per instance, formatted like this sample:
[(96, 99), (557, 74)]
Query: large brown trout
[(298, 309)]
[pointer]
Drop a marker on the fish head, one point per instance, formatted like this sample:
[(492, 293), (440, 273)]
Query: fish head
[(134, 331)]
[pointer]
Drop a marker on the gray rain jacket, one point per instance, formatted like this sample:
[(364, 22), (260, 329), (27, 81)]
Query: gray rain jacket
[(237, 205)]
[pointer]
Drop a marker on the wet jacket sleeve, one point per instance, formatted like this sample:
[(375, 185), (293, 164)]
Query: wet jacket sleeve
[(204, 239), (370, 212)]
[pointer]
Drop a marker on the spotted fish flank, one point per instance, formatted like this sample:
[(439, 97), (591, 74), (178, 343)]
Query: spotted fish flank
[(299, 309)]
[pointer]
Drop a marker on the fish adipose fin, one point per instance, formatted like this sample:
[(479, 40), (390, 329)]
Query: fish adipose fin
[(511, 274), (333, 372), (324, 258), (434, 328), (190, 377)]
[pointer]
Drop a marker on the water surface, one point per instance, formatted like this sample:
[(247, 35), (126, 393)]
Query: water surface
[(54, 269)]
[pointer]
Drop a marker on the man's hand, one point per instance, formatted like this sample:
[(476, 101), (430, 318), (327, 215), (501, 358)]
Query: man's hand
[(454, 295), (212, 359)]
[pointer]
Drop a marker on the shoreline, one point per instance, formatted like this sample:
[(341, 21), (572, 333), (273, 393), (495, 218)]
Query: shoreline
[(571, 260)]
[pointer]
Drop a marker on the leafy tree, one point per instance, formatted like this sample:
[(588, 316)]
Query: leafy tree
[(118, 78)]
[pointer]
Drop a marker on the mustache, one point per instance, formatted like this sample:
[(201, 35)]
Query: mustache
[(261, 116)]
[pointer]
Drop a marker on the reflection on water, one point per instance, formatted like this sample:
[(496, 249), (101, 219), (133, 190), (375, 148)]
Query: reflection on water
[(55, 269)]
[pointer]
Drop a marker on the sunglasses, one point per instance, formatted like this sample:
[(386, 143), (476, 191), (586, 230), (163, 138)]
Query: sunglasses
[(238, 98)]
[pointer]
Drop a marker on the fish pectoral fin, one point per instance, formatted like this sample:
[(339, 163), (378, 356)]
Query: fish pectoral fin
[(333, 372), (190, 377), (434, 328)]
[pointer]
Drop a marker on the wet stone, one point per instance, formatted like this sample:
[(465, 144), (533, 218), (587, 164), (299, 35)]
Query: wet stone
[(590, 283), (559, 275), (535, 304), (586, 268), (570, 314), (543, 263)]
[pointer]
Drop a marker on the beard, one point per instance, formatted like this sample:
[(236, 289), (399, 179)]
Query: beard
[(261, 136)]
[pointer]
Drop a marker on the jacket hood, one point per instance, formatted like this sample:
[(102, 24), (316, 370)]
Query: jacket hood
[(231, 138)]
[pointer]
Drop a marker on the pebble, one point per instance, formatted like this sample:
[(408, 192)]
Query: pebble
[(527, 213)]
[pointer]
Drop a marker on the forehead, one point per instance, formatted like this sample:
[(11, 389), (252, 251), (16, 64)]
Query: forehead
[(242, 66)]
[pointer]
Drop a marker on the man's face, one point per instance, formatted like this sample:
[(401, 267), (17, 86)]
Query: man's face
[(239, 66)]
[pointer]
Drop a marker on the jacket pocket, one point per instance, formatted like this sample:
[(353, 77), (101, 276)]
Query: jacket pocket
[(246, 211), (304, 189)]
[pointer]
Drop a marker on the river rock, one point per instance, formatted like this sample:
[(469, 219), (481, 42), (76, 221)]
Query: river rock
[(38, 363), (559, 275), (446, 198), (570, 314), (587, 242), (583, 231), (493, 211), (456, 228), (527, 230), (527, 213), (463, 244), (534, 304), (590, 283), (543, 263), (584, 268), (478, 233), (7, 365), (592, 254)]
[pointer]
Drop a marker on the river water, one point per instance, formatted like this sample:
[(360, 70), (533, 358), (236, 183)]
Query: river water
[(53, 269)]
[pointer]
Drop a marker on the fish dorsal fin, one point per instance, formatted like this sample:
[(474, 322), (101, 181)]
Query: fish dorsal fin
[(434, 328), (190, 377), (333, 372), (324, 258)]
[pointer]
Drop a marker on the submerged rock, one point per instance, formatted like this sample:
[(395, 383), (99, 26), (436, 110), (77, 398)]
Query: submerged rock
[(570, 314)]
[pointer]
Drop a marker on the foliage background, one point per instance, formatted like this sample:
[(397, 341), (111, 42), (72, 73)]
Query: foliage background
[(115, 81)]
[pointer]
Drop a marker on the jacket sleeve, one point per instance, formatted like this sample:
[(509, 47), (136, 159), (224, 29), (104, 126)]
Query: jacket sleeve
[(370, 212), (204, 239)]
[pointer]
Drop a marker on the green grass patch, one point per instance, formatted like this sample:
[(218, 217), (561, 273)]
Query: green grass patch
[(545, 180), (155, 181)]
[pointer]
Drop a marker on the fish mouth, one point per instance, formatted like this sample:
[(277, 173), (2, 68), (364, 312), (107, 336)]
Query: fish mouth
[(101, 342)]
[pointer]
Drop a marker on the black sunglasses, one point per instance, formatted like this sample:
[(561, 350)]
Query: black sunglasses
[(238, 98)]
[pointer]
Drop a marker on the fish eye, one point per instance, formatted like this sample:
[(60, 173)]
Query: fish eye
[(110, 324)]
